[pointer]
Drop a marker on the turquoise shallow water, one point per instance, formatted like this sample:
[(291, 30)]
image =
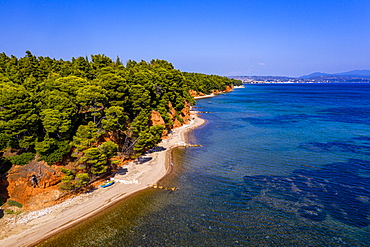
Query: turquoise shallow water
[(281, 165)]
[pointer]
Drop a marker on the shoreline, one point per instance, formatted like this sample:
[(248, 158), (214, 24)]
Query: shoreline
[(37, 226), (205, 96)]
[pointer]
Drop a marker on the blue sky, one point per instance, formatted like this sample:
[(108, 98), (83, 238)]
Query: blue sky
[(226, 37)]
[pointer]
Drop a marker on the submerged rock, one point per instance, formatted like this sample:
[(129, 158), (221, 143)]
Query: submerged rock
[(312, 212)]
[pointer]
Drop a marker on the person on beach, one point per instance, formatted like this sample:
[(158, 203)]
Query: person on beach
[(34, 181)]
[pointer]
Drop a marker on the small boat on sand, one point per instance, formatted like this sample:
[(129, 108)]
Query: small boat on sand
[(107, 184)]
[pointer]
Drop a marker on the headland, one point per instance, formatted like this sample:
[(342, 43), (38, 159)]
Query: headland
[(137, 175)]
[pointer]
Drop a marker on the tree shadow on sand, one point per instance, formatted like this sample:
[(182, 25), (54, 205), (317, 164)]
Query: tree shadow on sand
[(122, 171), (156, 149)]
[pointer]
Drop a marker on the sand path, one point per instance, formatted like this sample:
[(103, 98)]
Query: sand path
[(29, 229)]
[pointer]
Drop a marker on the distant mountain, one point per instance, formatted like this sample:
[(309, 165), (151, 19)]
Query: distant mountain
[(356, 73), (349, 74), (354, 76), (314, 75)]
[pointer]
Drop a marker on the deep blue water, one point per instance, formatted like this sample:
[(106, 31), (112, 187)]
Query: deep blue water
[(281, 165)]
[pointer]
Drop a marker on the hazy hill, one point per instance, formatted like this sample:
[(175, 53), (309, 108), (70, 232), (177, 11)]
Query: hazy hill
[(352, 74)]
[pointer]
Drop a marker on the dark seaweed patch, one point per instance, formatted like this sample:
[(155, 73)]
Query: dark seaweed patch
[(363, 148), (336, 190), (362, 138), (346, 114)]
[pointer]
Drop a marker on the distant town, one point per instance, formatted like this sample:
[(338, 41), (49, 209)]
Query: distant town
[(355, 76)]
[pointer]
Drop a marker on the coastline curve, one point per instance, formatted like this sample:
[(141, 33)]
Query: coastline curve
[(145, 174)]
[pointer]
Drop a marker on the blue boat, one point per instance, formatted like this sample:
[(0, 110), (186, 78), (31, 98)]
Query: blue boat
[(107, 184)]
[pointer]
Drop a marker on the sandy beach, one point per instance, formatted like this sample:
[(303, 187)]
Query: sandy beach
[(29, 229), (205, 96)]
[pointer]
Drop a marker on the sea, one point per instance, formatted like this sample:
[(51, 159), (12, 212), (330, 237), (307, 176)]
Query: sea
[(279, 165)]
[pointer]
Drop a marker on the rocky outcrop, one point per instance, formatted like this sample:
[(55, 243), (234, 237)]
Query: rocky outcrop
[(156, 119), (195, 93), (229, 88), (178, 118), (3, 189), (34, 185), (226, 90), (184, 115)]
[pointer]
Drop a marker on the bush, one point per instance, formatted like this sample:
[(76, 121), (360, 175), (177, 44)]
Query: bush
[(66, 186), (81, 179), (115, 162), (179, 118), (67, 172), (14, 203), (109, 148), (9, 211), (55, 152), (22, 159)]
